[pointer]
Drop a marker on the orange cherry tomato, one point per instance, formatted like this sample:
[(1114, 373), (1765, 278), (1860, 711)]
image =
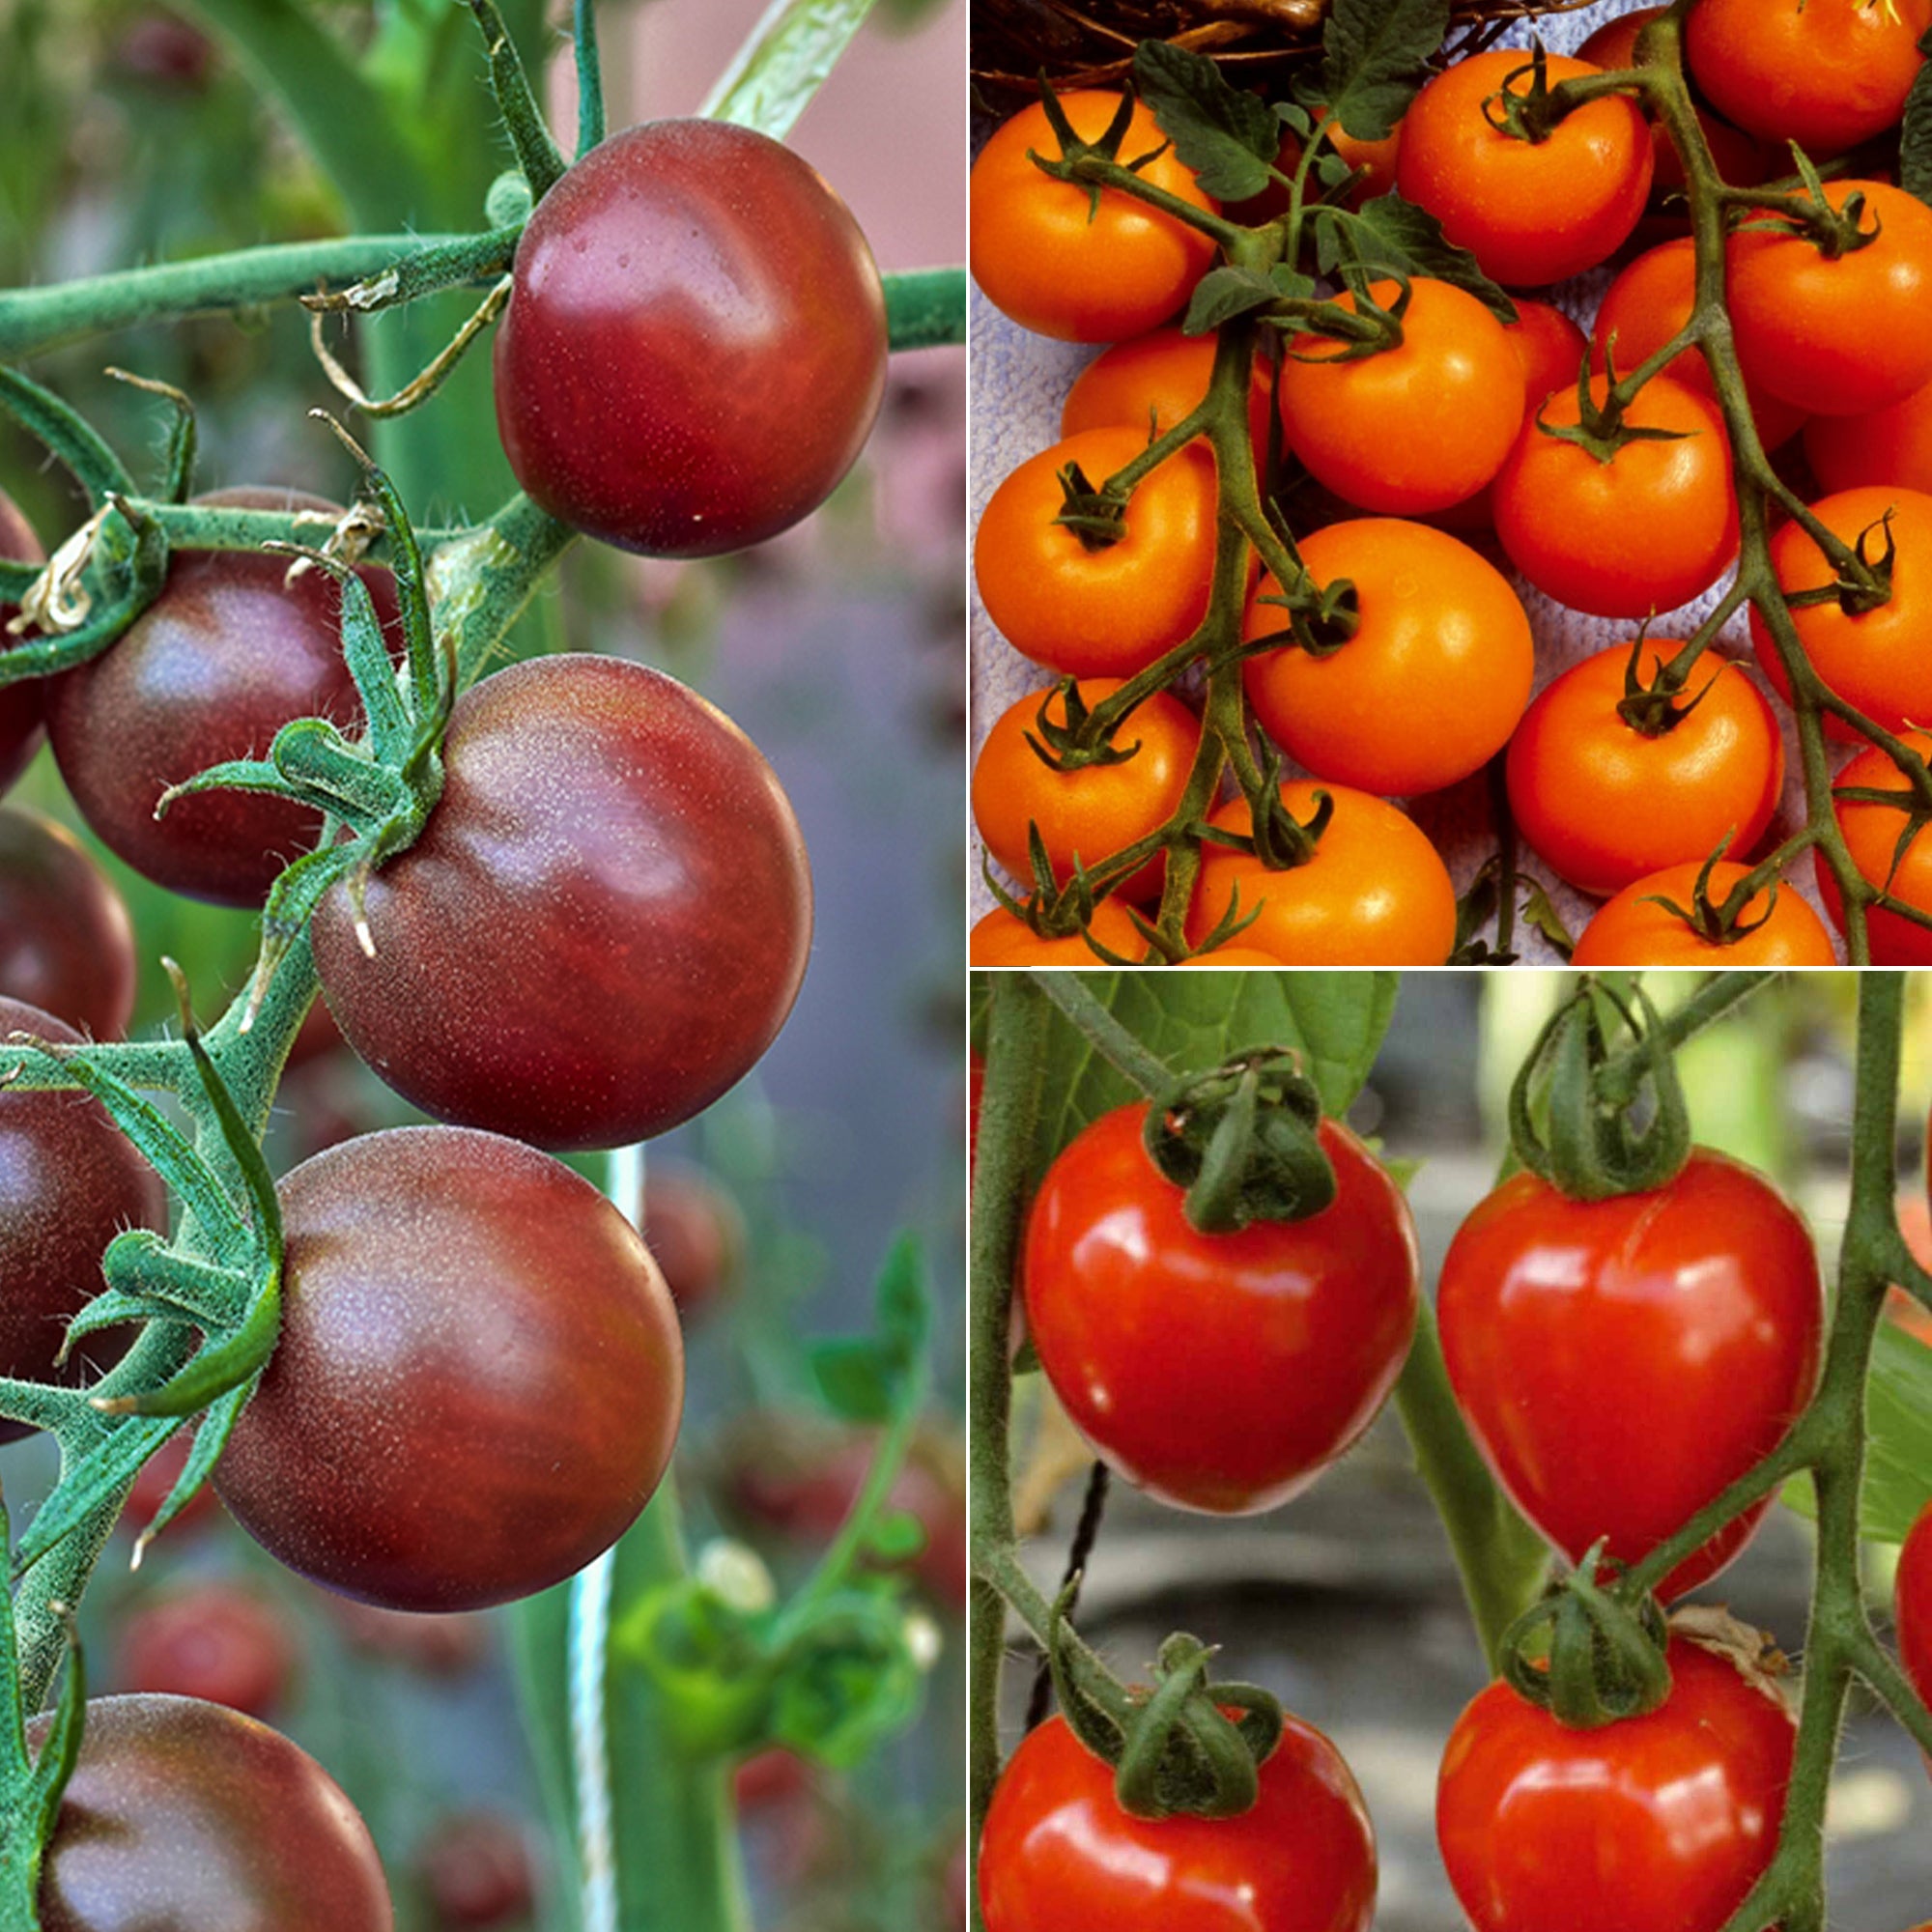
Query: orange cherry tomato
[(1000, 939), (1650, 530), (1604, 805), (1892, 445), (1048, 257), (1096, 811), (1432, 683), (1376, 893), (1631, 931), (1377, 159), (1416, 427), (1878, 659), (1155, 380), (1531, 213), (1236, 955), (1871, 832), (1104, 612)]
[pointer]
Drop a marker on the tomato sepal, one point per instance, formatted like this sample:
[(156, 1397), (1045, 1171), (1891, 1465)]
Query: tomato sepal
[(1587, 1654)]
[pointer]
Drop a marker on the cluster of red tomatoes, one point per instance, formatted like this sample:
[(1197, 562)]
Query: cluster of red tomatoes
[(1463, 444), (1618, 1364)]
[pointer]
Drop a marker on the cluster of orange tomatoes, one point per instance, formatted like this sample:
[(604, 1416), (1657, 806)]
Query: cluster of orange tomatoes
[(1458, 448)]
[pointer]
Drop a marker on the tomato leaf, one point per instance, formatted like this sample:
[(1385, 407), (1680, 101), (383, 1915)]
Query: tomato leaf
[(1915, 154), (1373, 52), (1229, 138), (855, 1379), (868, 1378), (1223, 293), (1898, 1418), (1389, 230)]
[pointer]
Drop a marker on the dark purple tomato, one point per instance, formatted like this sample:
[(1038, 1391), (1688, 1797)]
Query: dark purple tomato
[(66, 943), (695, 1232), (695, 348), (69, 1184), (603, 926), (20, 704), (225, 657), (185, 1817), (477, 1871), (214, 1641), (478, 1381)]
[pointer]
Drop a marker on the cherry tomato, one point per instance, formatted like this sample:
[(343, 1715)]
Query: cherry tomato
[(477, 1871), (1890, 447), (1092, 812), (1874, 659), (581, 965), (1656, 1823), (1151, 382), (1604, 805), (1630, 930), (1789, 305), (1531, 213), (1236, 955), (1416, 427), (1646, 531), (1439, 632), (1057, 1851), (695, 349), (1650, 300), (19, 702), (1218, 1371), (212, 1641), (695, 1232), (1376, 893), (1104, 612), (229, 653), (182, 1816), (1045, 254), (1619, 1362), (478, 1380), (69, 1184), (1378, 160), (66, 941), (1913, 1609), (1872, 834), (1825, 74), (1000, 939)]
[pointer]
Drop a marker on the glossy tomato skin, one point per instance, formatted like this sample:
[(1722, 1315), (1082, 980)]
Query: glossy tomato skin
[(695, 349), (1655, 1823), (1874, 659), (69, 1184), (1440, 637), (225, 657), (1872, 834), (478, 1380), (1605, 806), (1413, 428), (1376, 893), (1620, 1361), (1044, 255), (1154, 381), (66, 944), (1912, 1605), (1650, 530), (183, 1816), (1092, 812), (1630, 930), (1104, 612), (1058, 1851), (19, 702), (1530, 212), (1825, 74), (1789, 305), (580, 965), (212, 1641), (1890, 446), (999, 939), (1218, 1372)]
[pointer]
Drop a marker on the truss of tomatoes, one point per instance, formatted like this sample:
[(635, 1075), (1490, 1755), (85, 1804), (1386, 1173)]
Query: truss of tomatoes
[(1427, 475)]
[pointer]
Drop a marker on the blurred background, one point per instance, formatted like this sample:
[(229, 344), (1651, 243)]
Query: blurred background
[(134, 133)]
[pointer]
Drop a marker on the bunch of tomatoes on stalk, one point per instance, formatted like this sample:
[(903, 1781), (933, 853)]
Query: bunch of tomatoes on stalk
[(1629, 1353), (561, 908), (1351, 481)]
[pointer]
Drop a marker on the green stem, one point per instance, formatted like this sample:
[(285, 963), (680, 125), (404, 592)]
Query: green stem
[(1082, 1010), (925, 308)]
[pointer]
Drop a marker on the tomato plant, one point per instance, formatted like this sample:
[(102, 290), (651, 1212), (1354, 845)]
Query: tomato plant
[(526, 1394), (66, 941), (1001, 938), (1890, 853), (581, 967)]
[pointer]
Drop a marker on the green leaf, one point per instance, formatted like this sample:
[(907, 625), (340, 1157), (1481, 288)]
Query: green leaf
[(855, 1377), (1374, 54), (772, 77), (1223, 293), (1229, 138), (1914, 155), (898, 1538), (1196, 1020), (1393, 232), (1898, 1415), (903, 1299)]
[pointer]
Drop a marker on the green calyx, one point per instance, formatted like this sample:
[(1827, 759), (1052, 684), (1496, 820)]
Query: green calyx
[(1590, 1654)]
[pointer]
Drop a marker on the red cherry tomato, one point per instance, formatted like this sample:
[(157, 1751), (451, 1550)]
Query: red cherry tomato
[(213, 1641), (1872, 834), (1913, 1609), (695, 1232), (477, 1869), (1058, 1851), (1891, 446), (1218, 1371), (66, 941), (19, 701), (1530, 212), (1631, 929), (1655, 1823), (1620, 1361), (695, 349)]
